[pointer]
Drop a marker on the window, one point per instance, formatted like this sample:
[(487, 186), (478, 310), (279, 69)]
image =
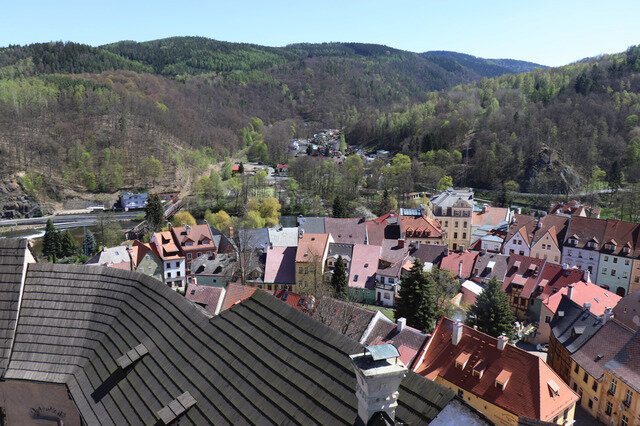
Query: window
[(178, 274), (591, 256), (590, 404), (626, 262), (613, 386), (464, 235), (465, 223), (168, 274), (569, 252), (613, 272), (460, 393), (585, 378), (189, 256), (604, 270), (606, 258), (609, 408), (595, 386), (168, 265), (446, 223), (625, 420), (547, 320), (455, 224), (521, 253), (576, 368), (386, 296), (628, 397), (455, 235), (177, 264), (199, 254), (299, 269), (615, 260)]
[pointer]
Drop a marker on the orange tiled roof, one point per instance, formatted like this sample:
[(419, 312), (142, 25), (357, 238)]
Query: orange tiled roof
[(168, 249), (527, 392), (236, 293), (490, 216), (310, 246), (452, 263), (199, 234), (420, 227)]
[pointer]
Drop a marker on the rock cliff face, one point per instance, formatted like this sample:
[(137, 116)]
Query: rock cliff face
[(15, 203)]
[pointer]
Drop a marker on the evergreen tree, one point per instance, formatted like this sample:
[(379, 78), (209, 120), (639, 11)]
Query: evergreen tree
[(491, 312), (51, 247), (154, 213), (68, 246), (339, 282), (89, 245), (416, 300), (339, 207), (240, 168)]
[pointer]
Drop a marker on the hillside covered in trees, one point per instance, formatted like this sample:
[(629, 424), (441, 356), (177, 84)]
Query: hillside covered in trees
[(88, 118), (554, 130)]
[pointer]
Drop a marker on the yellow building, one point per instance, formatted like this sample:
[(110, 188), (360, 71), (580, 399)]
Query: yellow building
[(619, 401), (311, 257), (453, 208), (634, 283), (591, 380), (500, 380)]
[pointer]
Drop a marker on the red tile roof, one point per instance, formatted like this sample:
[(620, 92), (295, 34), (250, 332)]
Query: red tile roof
[(383, 227), (364, 265), (553, 277), (199, 234), (298, 301), (490, 216), (527, 392), (311, 246), (585, 292), (420, 227), (121, 265), (139, 250), (167, 249), (622, 234), (280, 266), (452, 263), (520, 269), (236, 293)]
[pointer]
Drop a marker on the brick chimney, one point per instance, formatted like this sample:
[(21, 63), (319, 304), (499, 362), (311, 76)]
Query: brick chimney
[(456, 335), (401, 243), (379, 372)]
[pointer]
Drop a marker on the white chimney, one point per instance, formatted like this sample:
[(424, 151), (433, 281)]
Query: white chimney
[(608, 313), (570, 291), (188, 228), (460, 269), (457, 333), (379, 372), (502, 342), (587, 276), (587, 306), (401, 324)]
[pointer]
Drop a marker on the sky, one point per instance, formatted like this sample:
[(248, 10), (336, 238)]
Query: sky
[(546, 32)]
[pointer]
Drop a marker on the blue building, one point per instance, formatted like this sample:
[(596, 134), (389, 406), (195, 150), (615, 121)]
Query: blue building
[(133, 201)]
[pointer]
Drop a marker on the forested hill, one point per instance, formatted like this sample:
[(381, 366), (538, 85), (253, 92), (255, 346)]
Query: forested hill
[(482, 66), (88, 118), (555, 130)]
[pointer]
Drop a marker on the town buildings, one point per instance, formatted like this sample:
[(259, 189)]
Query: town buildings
[(453, 209), (174, 264), (496, 378), (194, 241), (133, 201)]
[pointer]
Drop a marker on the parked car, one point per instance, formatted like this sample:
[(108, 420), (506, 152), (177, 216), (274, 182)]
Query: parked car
[(542, 347)]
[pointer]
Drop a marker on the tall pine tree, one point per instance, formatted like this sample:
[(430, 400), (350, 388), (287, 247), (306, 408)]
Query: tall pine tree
[(89, 245), (154, 213), (339, 283), (491, 312), (416, 301), (340, 207), (51, 247), (68, 246)]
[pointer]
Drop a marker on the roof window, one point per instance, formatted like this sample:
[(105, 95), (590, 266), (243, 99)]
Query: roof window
[(132, 356), (175, 408), (502, 379), (554, 389)]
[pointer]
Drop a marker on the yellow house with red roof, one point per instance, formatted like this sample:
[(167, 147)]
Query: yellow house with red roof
[(311, 257), (501, 381)]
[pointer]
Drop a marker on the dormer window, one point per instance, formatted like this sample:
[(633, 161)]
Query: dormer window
[(573, 241), (462, 359), (478, 369), (591, 244), (502, 379), (554, 389), (626, 250), (188, 243)]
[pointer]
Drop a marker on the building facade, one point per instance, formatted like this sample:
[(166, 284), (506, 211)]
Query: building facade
[(453, 208)]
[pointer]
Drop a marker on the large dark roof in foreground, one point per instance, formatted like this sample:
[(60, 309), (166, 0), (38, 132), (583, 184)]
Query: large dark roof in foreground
[(261, 361)]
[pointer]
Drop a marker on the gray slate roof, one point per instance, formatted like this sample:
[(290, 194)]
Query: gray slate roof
[(576, 326), (313, 225), (283, 237), (12, 253), (262, 361)]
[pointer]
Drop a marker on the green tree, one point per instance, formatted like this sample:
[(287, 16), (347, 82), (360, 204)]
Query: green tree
[(154, 213), (89, 245), (387, 203), (444, 183), (68, 245), (491, 312), (220, 220), (225, 171), (183, 218), (240, 168), (340, 207), (416, 300), (339, 283), (51, 246), (153, 169), (615, 176)]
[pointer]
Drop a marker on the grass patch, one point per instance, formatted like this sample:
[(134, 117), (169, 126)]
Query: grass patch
[(388, 312)]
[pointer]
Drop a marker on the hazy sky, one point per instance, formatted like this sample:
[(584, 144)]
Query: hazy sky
[(547, 32)]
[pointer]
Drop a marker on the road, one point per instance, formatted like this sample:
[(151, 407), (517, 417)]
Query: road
[(68, 220)]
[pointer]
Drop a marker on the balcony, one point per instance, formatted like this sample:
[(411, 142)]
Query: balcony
[(388, 287)]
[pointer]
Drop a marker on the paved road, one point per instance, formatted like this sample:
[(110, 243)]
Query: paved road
[(68, 220)]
